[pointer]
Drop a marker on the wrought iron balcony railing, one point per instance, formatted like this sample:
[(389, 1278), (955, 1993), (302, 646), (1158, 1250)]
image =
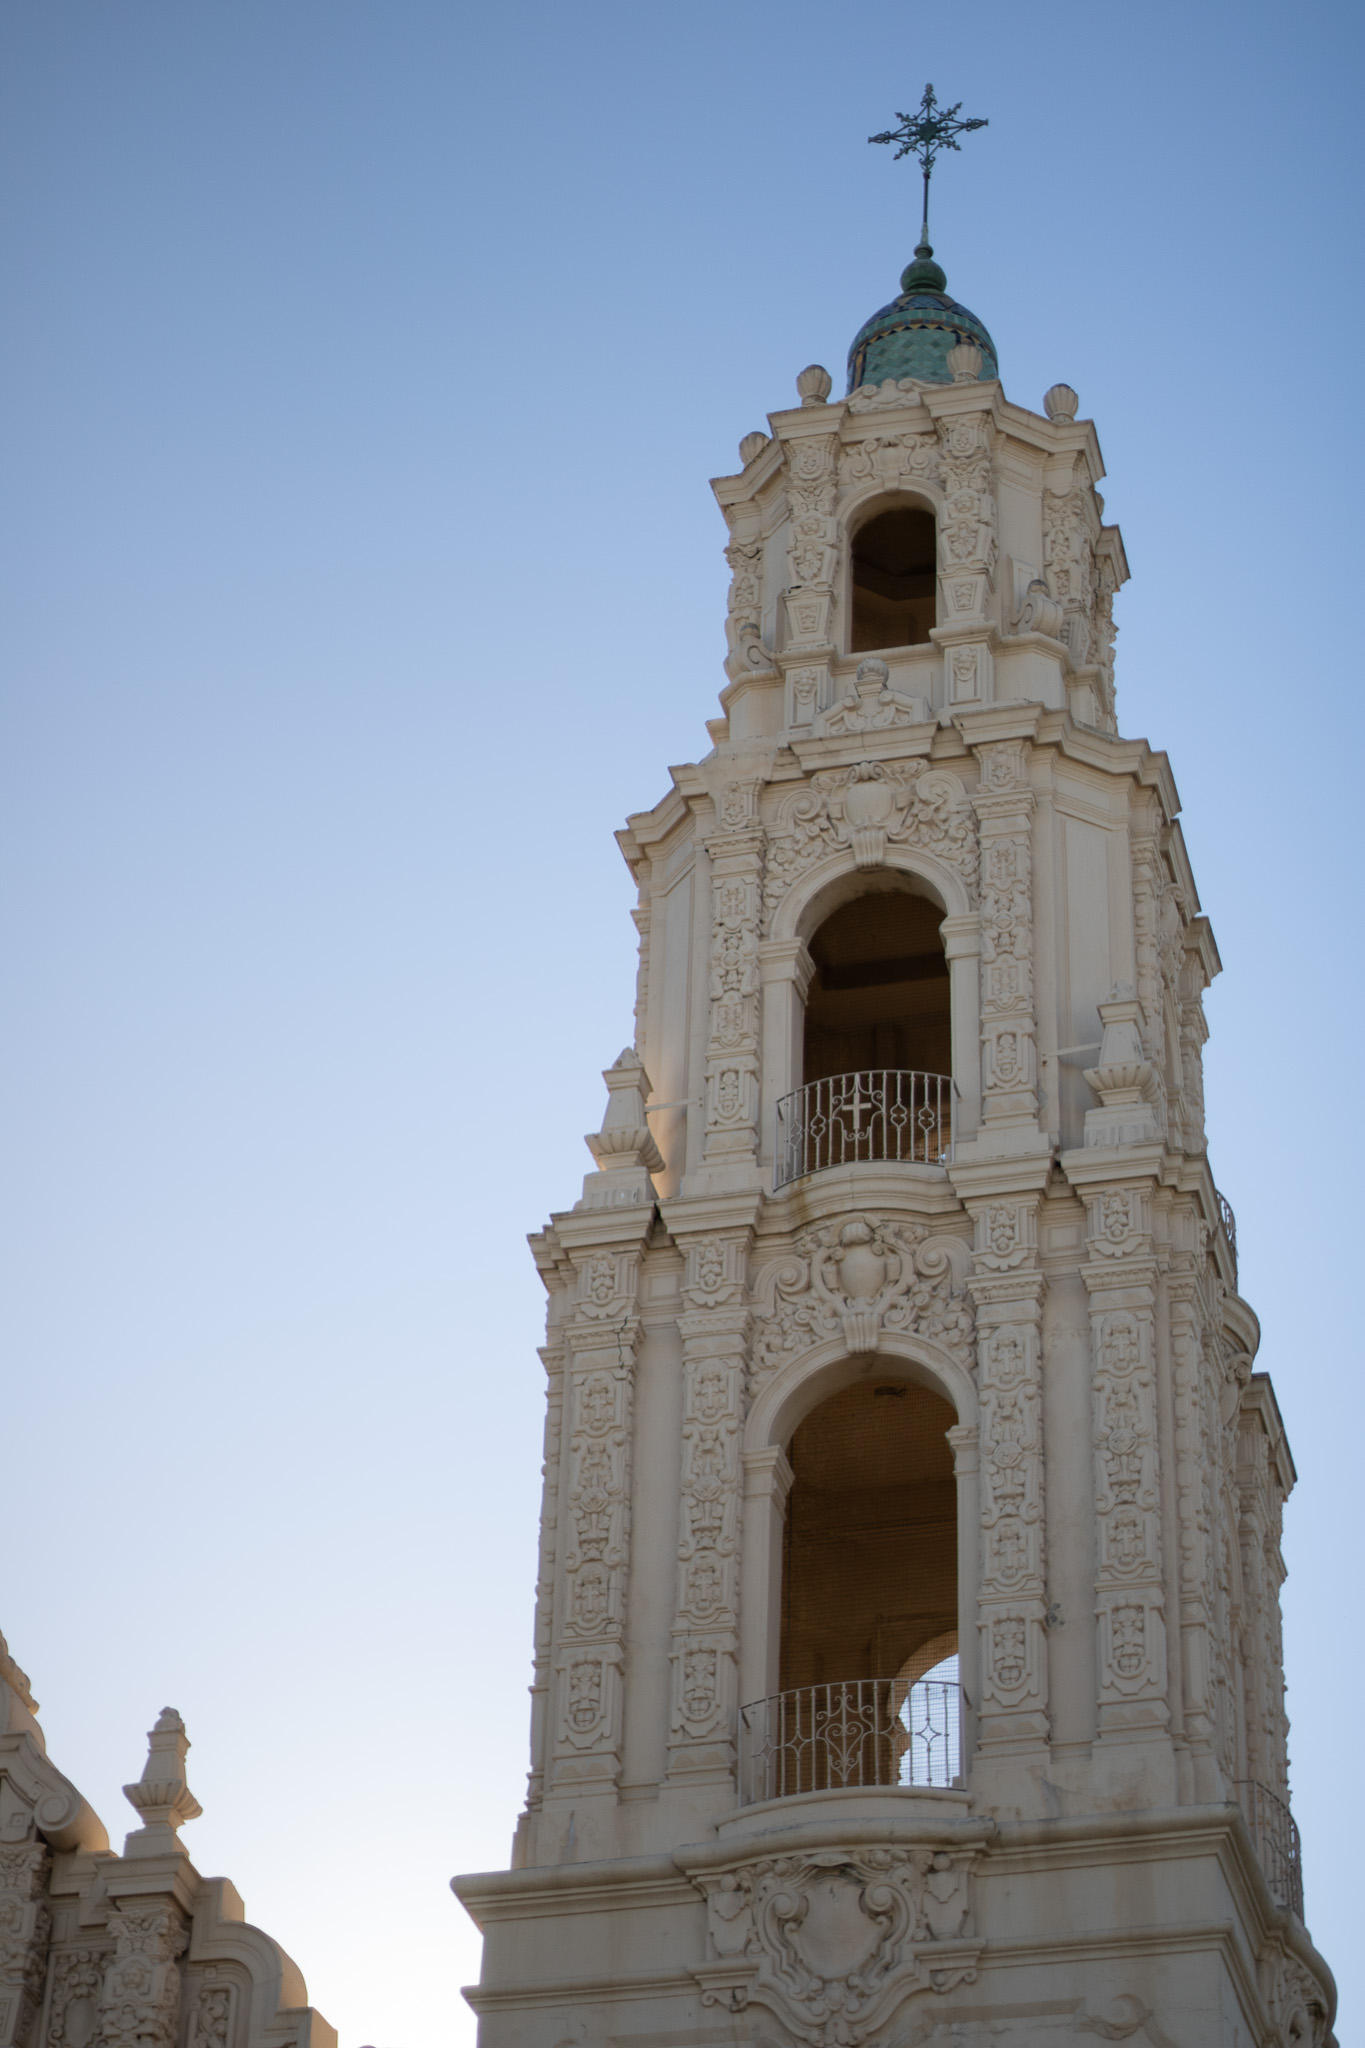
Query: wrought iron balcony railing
[(886, 1114), (1275, 1837), (858, 1731)]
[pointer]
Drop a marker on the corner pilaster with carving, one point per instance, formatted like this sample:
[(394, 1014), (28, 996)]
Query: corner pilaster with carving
[(1120, 1275), (733, 1052), (601, 1337), (553, 1358), (704, 1651), (1007, 1288), (140, 1994), (1196, 1433)]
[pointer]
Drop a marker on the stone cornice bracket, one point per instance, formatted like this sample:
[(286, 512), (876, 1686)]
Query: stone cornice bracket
[(624, 1148), (161, 1794), (1123, 1078)]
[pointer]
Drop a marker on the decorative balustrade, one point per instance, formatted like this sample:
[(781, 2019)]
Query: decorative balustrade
[(858, 1731), (886, 1114), (1275, 1837), (1229, 1223)]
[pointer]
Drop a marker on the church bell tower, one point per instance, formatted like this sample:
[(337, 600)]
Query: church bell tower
[(907, 1636)]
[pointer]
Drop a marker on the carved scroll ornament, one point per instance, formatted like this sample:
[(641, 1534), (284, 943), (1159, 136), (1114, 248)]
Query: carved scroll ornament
[(832, 1942), (866, 808), (855, 1279)]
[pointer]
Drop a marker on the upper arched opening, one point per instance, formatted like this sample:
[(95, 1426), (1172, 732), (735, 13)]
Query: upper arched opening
[(893, 577), (879, 997)]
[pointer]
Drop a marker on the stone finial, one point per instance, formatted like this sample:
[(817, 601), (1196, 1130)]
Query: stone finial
[(624, 1148), (814, 385), (964, 363), (1060, 402), (752, 445), (1124, 1078), (161, 1794)]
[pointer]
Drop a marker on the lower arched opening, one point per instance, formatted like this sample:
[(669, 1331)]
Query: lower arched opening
[(869, 1692)]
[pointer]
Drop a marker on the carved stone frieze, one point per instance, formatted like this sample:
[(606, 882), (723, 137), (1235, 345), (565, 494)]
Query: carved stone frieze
[(857, 1279), (832, 1942), (866, 808)]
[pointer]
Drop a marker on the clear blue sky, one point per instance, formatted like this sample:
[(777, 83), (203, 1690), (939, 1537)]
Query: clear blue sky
[(363, 366)]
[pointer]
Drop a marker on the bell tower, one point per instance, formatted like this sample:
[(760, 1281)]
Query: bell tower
[(907, 1633)]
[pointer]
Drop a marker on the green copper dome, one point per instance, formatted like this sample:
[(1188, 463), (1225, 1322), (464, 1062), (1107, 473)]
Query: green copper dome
[(912, 336)]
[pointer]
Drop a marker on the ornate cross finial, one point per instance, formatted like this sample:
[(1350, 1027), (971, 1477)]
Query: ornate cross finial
[(923, 135)]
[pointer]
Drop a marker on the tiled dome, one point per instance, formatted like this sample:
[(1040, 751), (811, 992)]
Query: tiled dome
[(912, 336)]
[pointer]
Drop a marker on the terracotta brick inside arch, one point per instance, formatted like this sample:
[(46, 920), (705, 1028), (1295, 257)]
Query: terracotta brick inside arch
[(870, 1550)]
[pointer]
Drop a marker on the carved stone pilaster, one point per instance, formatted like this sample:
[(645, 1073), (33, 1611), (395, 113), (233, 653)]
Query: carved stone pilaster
[(553, 1358), (1196, 1419), (601, 1342), (1120, 1276), (24, 1926), (1012, 1601), (813, 554), (1004, 805), (705, 1638), (733, 1056), (140, 1994)]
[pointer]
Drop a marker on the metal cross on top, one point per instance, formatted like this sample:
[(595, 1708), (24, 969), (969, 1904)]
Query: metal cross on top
[(923, 135)]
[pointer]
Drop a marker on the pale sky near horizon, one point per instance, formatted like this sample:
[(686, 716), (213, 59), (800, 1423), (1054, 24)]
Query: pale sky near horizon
[(362, 370)]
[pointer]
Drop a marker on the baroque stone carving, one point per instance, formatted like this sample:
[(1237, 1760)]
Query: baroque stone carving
[(211, 2014), (1004, 804), (1070, 522), (736, 901), (1012, 1597), (872, 705), (141, 1992), (856, 1279), (832, 1942), (77, 1974), (865, 808), (891, 461), (1128, 1578), (24, 1926)]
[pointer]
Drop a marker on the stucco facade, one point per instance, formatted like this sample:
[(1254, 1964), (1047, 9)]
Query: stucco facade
[(764, 1250), (99, 1950)]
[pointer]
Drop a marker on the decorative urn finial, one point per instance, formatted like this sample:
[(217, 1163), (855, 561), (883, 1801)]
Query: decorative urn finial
[(161, 1794)]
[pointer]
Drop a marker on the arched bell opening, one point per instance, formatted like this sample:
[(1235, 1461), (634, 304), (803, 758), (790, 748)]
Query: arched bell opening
[(893, 579), (869, 1564), (869, 1601), (879, 996), (877, 1038)]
